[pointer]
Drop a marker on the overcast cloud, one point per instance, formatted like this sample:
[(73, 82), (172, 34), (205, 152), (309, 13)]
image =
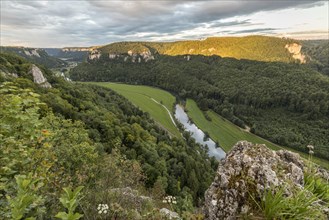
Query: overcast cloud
[(61, 23)]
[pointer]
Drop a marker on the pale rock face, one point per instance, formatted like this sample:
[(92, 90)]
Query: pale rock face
[(188, 57), (295, 50), (250, 169), (94, 54), (35, 53), (147, 56), (27, 53), (38, 77), (169, 214), (32, 53), (112, 56)]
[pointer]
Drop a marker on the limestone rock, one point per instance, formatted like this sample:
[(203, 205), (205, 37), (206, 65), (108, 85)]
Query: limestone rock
[(38, 77), (250, 169), (94, 55), (295, 50), (169, 214)]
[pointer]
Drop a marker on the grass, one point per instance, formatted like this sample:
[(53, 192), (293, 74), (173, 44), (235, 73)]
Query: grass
[(227, 133), (222, 130), (297, 206), (141, 96)]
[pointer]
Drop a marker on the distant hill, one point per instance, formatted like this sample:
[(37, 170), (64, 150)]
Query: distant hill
[(76, 54), (260, 48), (36, 55)]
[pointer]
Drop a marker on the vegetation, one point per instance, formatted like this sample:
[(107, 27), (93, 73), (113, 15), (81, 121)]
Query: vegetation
[(300, 205), (251, 47), (286, 104), (221, 130), (75, 135), (318, 53), (226, 134), (308, 202), (142, 96), (35, 55)]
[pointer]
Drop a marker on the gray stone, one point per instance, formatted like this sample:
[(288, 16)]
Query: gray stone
[(169, 214), (250, 169), (38, 77)]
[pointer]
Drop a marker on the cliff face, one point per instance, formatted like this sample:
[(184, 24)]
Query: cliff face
[(38, 77), (250, 169), (130, 55), (295, 50)]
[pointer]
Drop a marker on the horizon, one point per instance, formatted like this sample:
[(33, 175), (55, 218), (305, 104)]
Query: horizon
[(87, 23), (135, 41)]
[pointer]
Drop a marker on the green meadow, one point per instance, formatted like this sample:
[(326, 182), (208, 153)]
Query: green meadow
[(222, 130), (141, 96), (227, 134), (219, 129)]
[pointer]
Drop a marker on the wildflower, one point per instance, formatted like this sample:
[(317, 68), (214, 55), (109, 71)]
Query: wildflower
[(102, 208), (310, 147), (311, 152), (169, 200)]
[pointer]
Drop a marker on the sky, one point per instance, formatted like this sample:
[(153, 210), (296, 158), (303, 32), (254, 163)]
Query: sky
[(61, 23)]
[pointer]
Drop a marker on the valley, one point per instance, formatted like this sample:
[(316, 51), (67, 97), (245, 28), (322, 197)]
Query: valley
[(221, 130), (164, 110), (141, 96), (134, 122)]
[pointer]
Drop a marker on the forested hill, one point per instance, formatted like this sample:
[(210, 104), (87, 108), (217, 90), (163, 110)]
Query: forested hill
[(35, 55), (74, 134), (259, 48), (285, 103), (318, 54)]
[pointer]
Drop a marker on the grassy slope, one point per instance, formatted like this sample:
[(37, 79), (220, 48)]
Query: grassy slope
[(141, 97), (227, 134)]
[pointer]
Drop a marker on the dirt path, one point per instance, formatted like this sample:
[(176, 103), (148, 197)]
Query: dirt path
[(172, 119)]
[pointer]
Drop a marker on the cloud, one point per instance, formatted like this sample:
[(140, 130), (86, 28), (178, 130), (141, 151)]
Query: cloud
[(255, 30), (77, 23)]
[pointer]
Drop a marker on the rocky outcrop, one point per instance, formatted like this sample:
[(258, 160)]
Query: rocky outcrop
[(169, 214), (32, 52), (38, 77), (295, 50), (94, 55), (250, 169), (132, 56)]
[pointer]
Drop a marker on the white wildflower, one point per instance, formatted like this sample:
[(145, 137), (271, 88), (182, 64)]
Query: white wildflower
[(310, 147), (102, 208)]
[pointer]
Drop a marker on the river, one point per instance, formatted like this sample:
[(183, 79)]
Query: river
[(198, 134)]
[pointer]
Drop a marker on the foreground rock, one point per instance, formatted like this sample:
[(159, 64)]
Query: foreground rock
[(250, 169)]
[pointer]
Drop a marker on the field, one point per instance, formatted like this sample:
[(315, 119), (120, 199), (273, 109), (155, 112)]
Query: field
[(227, 134), (146, 99)]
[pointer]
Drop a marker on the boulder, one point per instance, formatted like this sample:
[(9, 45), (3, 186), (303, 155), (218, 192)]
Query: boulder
[(249, 170), (169, 214)]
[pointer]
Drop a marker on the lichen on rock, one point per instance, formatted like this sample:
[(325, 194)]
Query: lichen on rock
[(248, 171)]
